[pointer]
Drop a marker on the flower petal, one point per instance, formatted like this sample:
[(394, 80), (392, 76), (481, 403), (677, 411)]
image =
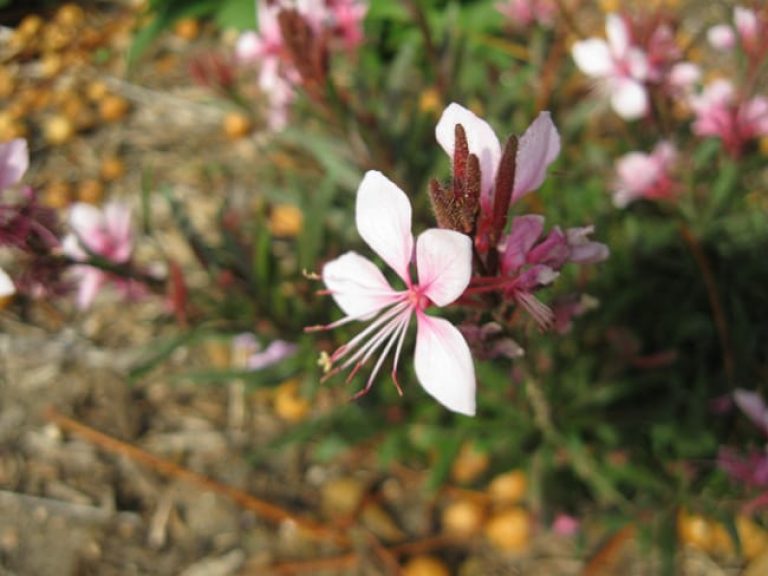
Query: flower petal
[(751, 403), (617, 33), (117, 218), (91, 280), (538, 148), (524, 232), (357, 285), (383, 215), (14, 161), (629, 98), (444, 263), (593, 57), (7, 288), (84, 219), (481, 140), (444, 364)]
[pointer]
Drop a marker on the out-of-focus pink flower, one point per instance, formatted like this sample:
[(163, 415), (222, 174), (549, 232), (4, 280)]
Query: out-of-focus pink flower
[(749, 30), (488, 342), (748, 26), (721, 113), (14, 161), (266, 44), (621, 67), (7, 287), (443, 260), (537, 149), (751, 469), (346, 18), (566, 525), (523, 13), (247, 352), (105, 234), (721, 37), (640, 175)]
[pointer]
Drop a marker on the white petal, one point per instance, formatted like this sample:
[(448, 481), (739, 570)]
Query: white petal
[(538, 148), (444, 263), (481, 140), (84, 218), (444, 364), (383, 215), (629, 99), (90, 284), (357, 285), (593, 57), (14, 161), (7, 288), (617, 34)]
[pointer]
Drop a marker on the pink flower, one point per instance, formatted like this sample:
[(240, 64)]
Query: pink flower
[(721, 37), (523, 13), (7, 287), (443, 260), (721, 113), (536, 150), (640, 175), (530, 264), (248, 353), (104, 234), (566, 525), (752, 469), (621, 67), (14, 161), (749, 29), (346, 18)]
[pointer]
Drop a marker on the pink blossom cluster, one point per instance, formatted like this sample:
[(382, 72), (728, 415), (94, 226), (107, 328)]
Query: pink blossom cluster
[(724, 113), (749, 31), (266, 47), (649, 176), (525, 13), (470, 255), (633, 59)]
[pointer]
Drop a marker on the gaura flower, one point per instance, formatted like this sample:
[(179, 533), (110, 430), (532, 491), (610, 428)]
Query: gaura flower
[(537, 148), (247, 352), (622, 67), (105, 234), (640, 175), (443, 261), (722, 113)]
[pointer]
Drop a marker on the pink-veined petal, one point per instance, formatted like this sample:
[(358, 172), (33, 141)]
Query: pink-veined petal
[(14, 161), (444, 364), (7, 287), (357, 285), (593, 57), (629, 98), (752, 404), (523, 233), (383, 215), (538, 148), (618, 34), (481, 140), (444, 264)]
